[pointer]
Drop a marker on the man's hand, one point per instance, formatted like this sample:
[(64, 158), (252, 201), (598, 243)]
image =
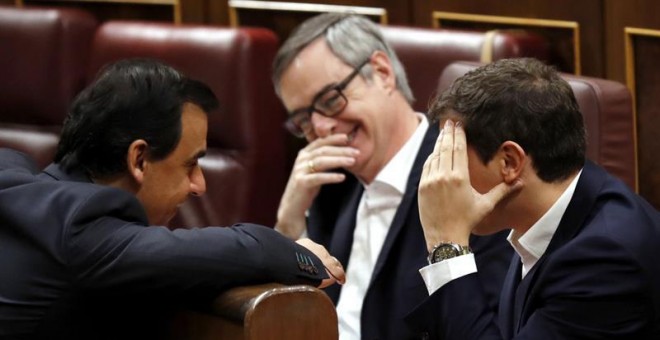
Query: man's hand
[(309, 173), (449, 207), (332, 266)]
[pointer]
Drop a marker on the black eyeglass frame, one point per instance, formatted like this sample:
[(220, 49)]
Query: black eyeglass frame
[(293, 123)]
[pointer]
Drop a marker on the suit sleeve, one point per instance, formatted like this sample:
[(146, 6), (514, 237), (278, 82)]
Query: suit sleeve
[(108, 250), (593, 288)]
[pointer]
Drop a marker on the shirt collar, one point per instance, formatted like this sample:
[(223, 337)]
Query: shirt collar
[(396, 171), (531, 245)]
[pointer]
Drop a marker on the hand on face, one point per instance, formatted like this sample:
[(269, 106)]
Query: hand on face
[(332, 266), (449, 207), (309, 173)]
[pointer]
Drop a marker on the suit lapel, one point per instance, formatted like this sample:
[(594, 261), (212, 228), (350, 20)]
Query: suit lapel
[(342, 237), (507, 299), (409, 199), (577, 212)]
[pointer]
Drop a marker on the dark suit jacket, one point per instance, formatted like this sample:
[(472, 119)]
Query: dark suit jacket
[(396, 286), (78, 260), (599, 277)]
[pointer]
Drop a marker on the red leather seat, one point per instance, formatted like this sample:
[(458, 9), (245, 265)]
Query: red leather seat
[(245, 164), (425, 52), (43, 58), (607, 109)]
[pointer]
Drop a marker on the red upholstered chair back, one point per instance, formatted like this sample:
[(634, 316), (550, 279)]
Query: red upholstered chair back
[(245, 164), (43, 58), (425, 52), (607, 109)]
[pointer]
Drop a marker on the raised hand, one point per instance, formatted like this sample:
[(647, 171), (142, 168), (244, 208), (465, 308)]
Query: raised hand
[(449, 207), (310, 171)]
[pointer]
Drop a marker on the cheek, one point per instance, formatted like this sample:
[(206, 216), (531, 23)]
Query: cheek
[(482, 177), (182, 186), (477, 178)]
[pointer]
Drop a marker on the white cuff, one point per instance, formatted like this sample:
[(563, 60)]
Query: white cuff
[(438, 274)]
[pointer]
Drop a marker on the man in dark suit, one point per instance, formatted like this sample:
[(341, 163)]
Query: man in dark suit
[(82, 256), (512, 155), (353, 188)]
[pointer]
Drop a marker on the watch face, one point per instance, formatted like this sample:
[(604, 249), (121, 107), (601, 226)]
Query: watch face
[(443, 252)]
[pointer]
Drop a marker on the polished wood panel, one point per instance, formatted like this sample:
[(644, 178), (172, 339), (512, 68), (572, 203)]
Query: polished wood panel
[(283, 17), (263, 312), (618, 15), (642, 55), (177, 11), (586, 13), (109, 10), (563, 36)]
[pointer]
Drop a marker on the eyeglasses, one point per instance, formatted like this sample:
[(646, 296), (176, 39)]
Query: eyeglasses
[(329, 102)]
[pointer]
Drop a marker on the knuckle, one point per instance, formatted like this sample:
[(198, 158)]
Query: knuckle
[(445, 148)]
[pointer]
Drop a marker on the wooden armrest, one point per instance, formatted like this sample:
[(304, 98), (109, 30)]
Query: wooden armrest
[(269, 311)]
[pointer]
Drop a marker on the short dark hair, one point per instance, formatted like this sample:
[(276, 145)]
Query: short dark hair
[(521, 100), (129, 100)]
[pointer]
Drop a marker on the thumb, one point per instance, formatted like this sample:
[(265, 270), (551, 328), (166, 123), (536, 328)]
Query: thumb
[(501, 191)]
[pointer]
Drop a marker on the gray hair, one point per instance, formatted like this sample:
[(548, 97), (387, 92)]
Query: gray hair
[(352, 38)]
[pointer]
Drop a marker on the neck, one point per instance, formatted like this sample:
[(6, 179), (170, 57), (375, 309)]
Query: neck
[(119, 182), (539, 197)]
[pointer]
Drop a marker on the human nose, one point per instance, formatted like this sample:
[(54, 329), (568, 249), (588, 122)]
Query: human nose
[(197, 182), (323, 125)]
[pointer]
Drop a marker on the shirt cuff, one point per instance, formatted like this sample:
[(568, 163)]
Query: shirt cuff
[(438, 274)]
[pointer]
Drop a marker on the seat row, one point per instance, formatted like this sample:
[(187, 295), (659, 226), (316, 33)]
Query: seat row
[(48, 55)]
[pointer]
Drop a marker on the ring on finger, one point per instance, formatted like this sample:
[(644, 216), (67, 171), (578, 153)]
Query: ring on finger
[(311, 167)]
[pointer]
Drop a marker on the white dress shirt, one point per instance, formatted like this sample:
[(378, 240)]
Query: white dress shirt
[(530, 246), (375, 213)]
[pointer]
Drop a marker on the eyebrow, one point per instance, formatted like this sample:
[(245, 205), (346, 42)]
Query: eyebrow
[(318, 95), (197, 156)]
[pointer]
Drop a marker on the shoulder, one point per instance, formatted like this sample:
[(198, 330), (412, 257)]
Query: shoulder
[(75, 203), (12, 159), (87, 201), (623, 216)]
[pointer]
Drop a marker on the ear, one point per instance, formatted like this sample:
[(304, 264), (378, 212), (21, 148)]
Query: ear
[(512, 161), (382, 70), (136, 159)]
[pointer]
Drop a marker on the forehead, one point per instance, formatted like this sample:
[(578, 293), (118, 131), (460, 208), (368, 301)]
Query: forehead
[(194, 127), (310, 71)]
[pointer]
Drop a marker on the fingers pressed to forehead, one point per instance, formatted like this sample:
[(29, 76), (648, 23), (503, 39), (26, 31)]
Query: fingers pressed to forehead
[(447, 146), (460, 147)]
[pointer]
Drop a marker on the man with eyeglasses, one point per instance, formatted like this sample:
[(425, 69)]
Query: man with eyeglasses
[(353, 188)]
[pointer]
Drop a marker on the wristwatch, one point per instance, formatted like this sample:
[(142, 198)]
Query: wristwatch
[(447, 250)]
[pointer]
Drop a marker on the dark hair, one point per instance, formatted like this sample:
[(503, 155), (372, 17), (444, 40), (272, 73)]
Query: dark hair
[(524, 101), (129, 100)]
